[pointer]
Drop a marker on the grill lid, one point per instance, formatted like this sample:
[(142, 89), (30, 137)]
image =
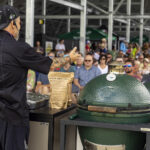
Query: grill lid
[(121, 91), (147, 84)]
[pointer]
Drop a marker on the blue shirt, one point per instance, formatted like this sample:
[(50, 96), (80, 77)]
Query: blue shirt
[(71, 69), (103, 50), (77, 67), (84, 76), (43, 78), (75, 89), (123, 47)]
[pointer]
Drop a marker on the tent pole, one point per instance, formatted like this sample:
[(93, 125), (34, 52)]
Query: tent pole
[(141, 23), (110, 24), (30, 21), (83, 26), (128, 21), (69, 20), (11, 2), (44, 14)]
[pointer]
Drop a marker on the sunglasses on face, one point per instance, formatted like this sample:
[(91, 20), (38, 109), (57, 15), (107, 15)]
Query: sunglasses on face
[(127, 66), (87, 60)]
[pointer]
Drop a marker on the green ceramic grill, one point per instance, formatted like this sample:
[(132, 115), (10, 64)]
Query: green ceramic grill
[(114, 99)]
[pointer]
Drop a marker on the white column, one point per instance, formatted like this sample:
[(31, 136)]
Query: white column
[(11, 2), (30, 22), (100, 22), (69, 20), (110, 24), (83, 26), (128, 21), (44, 14), (141, 23)]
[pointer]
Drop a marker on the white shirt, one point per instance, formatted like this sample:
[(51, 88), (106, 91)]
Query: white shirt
[(60, 46), (96, 56), (104, 70)]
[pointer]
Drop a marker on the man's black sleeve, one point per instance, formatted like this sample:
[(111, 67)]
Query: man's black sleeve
[(30, 59)]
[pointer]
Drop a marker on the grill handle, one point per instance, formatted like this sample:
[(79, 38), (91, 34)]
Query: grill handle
[(102, 109)]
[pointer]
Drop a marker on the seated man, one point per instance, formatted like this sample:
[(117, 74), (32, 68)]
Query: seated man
[(51, 54), (79, 63), (129, 70), (43, 86), (109, 58), (86, 73), (75, 89)]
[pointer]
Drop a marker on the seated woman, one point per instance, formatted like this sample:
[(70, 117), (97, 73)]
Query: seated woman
[(145, 69), (67, 68), (103, 67)]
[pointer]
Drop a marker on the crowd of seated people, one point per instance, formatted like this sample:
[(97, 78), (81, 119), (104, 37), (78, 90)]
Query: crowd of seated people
[(136, 62)]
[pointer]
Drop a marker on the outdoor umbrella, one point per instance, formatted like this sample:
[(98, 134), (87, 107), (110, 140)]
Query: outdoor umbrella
[(136, 39), (91, 34)]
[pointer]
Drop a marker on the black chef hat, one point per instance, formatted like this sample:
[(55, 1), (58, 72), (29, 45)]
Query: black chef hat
[(7, 14)]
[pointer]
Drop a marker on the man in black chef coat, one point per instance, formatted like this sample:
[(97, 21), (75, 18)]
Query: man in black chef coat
[(15, 60)]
